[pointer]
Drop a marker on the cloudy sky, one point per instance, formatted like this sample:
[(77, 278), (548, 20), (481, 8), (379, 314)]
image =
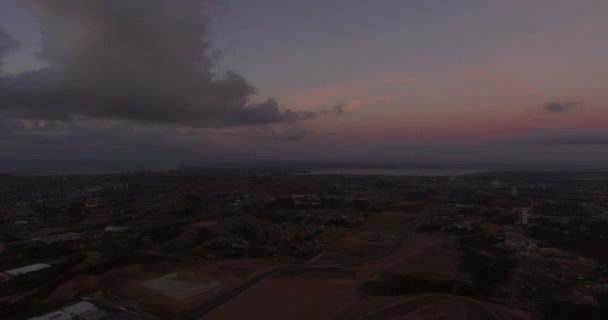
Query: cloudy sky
[(89, 84)]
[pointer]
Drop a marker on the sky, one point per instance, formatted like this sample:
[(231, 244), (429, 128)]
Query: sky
[(133, 84)]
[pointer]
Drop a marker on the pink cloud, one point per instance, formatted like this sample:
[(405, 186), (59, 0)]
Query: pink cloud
[(352, 105), (487, 75), (322, 96), (479, 73)]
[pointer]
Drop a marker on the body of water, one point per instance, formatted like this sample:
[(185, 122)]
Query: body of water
[(400, 172)]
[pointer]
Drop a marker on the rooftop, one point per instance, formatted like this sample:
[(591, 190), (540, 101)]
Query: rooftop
[(27, 269)]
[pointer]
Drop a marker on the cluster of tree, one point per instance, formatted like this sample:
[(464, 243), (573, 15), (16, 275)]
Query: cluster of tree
[(429, 227), (29, 281), (487, 266), (278, 216), (164, 233), (562, 310), (419, 195), (340, 222), (117, 262), (393, 284)]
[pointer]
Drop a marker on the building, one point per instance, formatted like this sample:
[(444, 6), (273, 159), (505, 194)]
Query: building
[(64, 237), (94, 202), (56, 315), (117, 228), (120, 186), (27, 269), (79, 311), (523, 214), (305, 200), (514, 192)]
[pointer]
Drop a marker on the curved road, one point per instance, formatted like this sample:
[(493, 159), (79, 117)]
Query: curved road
[(211, 304)]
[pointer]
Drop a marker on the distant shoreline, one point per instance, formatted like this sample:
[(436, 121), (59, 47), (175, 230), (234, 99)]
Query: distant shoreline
[(398, 172)]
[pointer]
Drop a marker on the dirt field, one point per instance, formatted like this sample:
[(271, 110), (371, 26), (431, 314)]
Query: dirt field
[(205, 224), (353, 247), (431, 307), (392, 222), (166, 287), (278, 299), (334, 292), (429, 255), (377, 235)]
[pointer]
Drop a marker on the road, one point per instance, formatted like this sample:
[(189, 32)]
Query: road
[(212, 304)]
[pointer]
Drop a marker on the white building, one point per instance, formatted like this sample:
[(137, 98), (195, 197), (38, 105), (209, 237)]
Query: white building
[(64, 237), (27, 269), (56, 315), (523, 215), (120, 186), (117, 228), (94, 202), (514, 192), (80, 311)]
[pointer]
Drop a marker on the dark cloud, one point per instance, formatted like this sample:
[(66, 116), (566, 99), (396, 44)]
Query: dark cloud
[(339, 109), (96, 144), (575, 140), (291, 134), (140, 60), (564, 138), (268, 133), (560, 107), (6, 44)]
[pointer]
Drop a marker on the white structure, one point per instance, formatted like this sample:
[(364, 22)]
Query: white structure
[(514, 192), (117, 228), (94, 202), (523, 215), (120, 186), (521, 246), (80, 311), (64, 237), (27, 269), (57, 315)]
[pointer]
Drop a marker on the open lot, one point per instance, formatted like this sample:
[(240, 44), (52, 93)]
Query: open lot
[(162, 286), (180, 287), (276, 299), (377, 235), (330, 292), (431, 307), (428, 255)]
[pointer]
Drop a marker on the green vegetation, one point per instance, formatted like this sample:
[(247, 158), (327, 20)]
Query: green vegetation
[(164, 233), (394, 284), (561, 310), (117, 262), (487, 266), (30, 281)]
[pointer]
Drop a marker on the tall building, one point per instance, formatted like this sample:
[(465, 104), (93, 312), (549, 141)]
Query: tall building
[(523, 215), (514, 192)]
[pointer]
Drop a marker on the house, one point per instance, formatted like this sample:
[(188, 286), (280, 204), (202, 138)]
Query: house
[(79, 311), (27, 269)]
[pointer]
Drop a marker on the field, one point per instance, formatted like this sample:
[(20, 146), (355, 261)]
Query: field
[(297, 299), (162, 286), (334, 292), (431, 307)]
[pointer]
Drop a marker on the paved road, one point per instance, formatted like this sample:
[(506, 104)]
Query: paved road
[(212, 304)]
